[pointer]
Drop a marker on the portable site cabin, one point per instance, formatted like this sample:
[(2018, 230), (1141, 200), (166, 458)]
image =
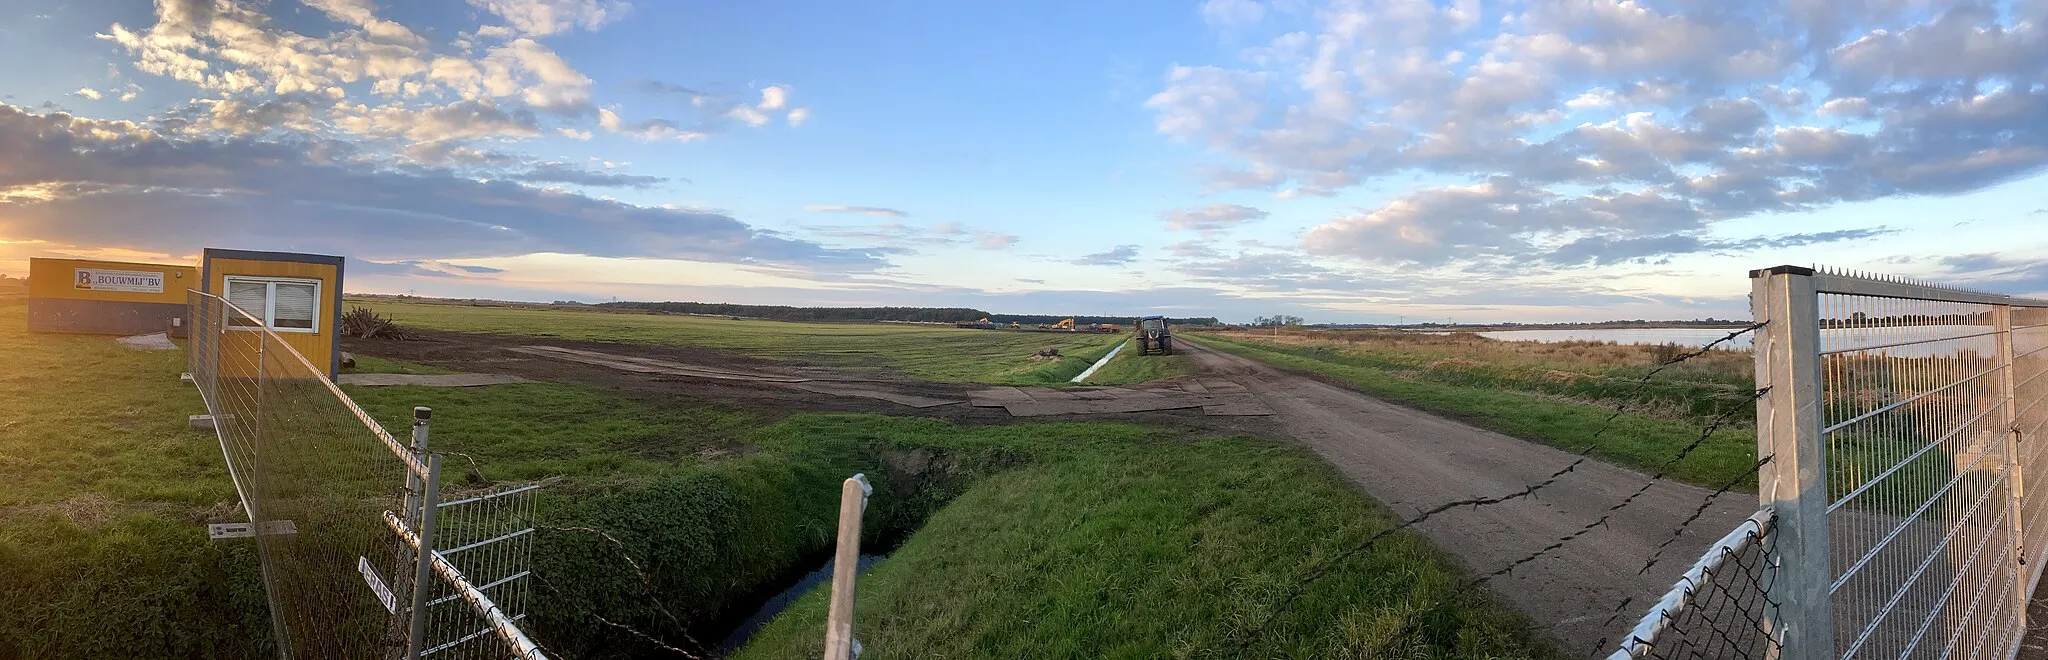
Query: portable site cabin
[(107, 297), (298, 296)]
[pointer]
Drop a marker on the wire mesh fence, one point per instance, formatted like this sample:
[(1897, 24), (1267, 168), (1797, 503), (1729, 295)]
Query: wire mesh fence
[(319, 478), (1721, 607), (1901, 424)]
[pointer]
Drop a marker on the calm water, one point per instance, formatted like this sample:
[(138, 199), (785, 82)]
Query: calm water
[(782, 601), (1680, 336), (1966, 338)]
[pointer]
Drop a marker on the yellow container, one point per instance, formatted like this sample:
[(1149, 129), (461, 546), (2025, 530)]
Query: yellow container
[(298, 296), (107, 297)]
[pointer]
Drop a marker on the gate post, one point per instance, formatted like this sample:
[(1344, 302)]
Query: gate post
[(1794, 482)]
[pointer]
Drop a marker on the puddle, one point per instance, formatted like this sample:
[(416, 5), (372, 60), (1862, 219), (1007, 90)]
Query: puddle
[(769, 610)]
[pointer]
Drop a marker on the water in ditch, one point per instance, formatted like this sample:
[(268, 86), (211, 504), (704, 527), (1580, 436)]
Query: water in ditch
[(782, 601)]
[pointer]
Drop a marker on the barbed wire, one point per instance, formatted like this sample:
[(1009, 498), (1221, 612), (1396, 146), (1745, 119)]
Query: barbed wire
[(1580, 457), (646, 588)]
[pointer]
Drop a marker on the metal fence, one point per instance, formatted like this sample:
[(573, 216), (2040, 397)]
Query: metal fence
[(1897, 427), (1719, 608), (334, 505)]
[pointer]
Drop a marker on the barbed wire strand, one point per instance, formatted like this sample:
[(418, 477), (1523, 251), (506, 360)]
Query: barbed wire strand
[(1323, 569)]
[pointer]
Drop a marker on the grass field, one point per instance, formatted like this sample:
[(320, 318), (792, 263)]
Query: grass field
[(921, 352), (1507, 389), (1096, 533)]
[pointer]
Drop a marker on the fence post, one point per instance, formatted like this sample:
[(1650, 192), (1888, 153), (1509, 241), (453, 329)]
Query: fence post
[(853, 500), (2015, 480), (423, 570), (1794, 482), (421, 415)]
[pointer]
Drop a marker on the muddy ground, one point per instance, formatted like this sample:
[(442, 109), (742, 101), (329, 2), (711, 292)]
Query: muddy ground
[(500, 354)]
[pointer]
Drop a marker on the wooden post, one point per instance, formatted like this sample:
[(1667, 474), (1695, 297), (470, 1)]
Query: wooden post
[(1794, 482), (853, 501)]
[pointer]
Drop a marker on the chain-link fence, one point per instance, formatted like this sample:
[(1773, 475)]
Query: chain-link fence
[(319, 478), (1899, 423), (1719, 608)]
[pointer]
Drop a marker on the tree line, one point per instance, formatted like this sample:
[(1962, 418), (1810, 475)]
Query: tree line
[(903, 314)]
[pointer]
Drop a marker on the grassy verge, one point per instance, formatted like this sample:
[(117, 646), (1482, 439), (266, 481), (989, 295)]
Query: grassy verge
[(1632, 439), (923, 352), (1129, 367), (1133, 552)]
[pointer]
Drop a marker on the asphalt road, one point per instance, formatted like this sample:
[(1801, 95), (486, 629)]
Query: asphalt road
[(1411, 461)]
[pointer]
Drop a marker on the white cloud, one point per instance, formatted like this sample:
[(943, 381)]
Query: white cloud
[(649, 130), (878, 211), (1212, 218), (1233, 14), (87, 92), (1692, 116), (772, 97), (545, 17), (798, 115)]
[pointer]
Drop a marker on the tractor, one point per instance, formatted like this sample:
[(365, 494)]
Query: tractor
[(1153, 336)]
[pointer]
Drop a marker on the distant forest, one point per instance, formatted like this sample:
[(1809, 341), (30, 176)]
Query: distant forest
[(906, 314)]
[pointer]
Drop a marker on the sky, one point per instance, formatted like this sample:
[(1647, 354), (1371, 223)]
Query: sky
[(1344, 161)]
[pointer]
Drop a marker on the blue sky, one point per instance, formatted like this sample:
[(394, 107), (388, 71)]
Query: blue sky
[(1349, 161)]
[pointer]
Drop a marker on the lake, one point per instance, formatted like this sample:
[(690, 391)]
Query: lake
[(1897, 342)]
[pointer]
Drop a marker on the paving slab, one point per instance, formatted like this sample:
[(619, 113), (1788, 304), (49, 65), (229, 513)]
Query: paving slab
[(912, 400), (150, 342), (997, 397)]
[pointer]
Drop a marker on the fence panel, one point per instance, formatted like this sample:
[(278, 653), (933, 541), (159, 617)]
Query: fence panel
[(319, 478), (1900, 426), (1922, 532)]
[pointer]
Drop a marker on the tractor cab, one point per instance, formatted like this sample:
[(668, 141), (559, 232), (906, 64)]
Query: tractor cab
[(1154, 338)]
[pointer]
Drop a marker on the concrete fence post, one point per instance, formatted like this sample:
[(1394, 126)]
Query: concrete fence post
[(853, 501), (421, 416), (1794, 482), (2015, 482)]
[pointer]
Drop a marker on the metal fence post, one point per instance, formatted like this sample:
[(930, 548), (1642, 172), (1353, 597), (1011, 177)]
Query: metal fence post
[(853, 500), (421, 415), (2015, 481), (1794, 482), (423, 570)]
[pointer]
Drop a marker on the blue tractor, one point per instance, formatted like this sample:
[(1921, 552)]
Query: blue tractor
[(1153, 336)]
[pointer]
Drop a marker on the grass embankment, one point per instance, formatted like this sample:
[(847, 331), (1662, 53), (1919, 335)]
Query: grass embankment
[(103, 550), (1128, 367), (923, 352), (1558, 394)]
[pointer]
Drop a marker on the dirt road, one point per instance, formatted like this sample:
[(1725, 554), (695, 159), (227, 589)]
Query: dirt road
[(1411, 461)]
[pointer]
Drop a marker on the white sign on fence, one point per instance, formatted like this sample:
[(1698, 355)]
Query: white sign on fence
[(136, 281), (377, 584)]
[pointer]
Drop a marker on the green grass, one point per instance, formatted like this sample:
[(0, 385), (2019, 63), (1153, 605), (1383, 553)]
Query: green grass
[(1096, 533), (1632, 439), (1128, 367), (103, 511), (922, 352), (1135, 551)]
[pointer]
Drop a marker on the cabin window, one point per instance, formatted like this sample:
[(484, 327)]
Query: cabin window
[(284, 305)]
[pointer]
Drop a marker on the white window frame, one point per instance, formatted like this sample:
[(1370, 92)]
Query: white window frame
[(269, 311)]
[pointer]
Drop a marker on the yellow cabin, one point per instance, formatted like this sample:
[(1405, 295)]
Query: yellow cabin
[(297, 296), (107, 297)]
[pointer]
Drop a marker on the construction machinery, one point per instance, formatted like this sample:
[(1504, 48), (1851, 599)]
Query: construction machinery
[(1154, 338), (1067, 324), (983, 323)]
